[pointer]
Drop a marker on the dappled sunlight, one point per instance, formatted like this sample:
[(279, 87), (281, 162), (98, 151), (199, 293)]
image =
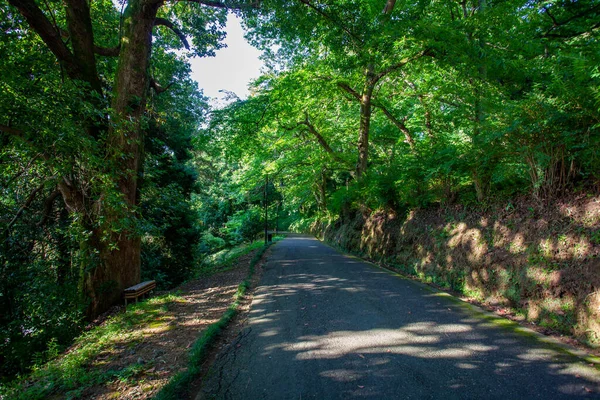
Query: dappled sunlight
[(511, 258), (341, 375), (358, 328), (456, 341)]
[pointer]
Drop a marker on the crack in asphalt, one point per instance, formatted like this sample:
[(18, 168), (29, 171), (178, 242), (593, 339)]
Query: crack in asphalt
[(236, 347)]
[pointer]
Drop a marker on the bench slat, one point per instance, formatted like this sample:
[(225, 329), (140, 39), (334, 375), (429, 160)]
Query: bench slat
[(140, 286), (138, 290), (138, 293)]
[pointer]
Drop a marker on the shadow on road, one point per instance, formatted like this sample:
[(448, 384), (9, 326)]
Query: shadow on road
[(326, 325)]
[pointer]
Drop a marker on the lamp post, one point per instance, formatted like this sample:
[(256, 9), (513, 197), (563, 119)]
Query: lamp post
[(266, 214)]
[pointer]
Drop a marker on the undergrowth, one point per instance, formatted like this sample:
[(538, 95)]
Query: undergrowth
[(225, 259), (70, 374), (73, 372)]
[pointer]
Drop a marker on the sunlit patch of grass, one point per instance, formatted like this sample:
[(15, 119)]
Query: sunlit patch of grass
[(558, 314), (225, 259), (81, 367)]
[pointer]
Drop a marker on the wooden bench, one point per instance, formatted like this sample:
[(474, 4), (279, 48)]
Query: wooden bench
[(138, 290)]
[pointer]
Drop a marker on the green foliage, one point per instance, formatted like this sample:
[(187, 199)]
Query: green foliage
[(447, 102), (210, 243), (244, 225), (226, 258), (50, 156), (170, 223), (463, 109)]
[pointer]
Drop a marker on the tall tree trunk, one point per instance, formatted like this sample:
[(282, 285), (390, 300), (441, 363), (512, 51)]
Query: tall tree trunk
[(120, 262), (365, 121), (366, 106)]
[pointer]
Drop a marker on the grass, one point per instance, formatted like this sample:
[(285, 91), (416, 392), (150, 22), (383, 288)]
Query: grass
[(78, 369), (225, 259), (70, 374), (178, 386)]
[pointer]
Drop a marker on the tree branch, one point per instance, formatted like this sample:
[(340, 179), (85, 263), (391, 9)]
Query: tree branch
[(389, 7), (316, 134), (158, 88), (48, 204), (38, 21), (11, 131), (330, 18), (107, 51), (102, 51), (572, 34), (402, 63), (27, 203), (344, 86), (25, 169), (171, 26), (313, 131), (554, 21), (400, 124), (557, 24), (223, 4)]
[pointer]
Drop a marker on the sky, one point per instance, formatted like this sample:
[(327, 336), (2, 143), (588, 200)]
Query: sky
[(232, 68)]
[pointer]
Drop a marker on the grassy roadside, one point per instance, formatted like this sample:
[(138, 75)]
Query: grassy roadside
[(70, 374), (178, 387), (91, 362)]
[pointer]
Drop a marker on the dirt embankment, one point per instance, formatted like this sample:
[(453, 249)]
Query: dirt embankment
[(541, 261)]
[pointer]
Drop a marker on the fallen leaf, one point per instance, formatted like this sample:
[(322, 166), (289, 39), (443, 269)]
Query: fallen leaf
[(587, 389), (361, 387), (361, 356), (303, 308)]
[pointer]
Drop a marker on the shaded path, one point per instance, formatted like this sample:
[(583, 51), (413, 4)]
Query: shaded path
[(327, 326)]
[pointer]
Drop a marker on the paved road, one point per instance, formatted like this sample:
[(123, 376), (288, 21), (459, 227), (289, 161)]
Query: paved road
[(328, 326)]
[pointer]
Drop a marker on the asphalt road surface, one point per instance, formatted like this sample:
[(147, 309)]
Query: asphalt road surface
[(324, 325)]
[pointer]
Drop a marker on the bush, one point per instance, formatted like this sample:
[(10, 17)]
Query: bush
[(244, 225), (210, 243)]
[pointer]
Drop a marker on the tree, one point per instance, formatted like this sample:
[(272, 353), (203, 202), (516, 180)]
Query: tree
[(353, 39), (101, 186)]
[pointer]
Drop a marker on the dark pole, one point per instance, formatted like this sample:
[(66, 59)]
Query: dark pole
[(266, 216), (277, 217)]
